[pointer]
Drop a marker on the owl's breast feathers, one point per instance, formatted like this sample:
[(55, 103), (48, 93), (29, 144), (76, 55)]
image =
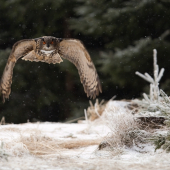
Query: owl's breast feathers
[(50, 57)]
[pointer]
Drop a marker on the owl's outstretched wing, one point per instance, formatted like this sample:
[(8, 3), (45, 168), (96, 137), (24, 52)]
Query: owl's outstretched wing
[(19, 49), (75, 52)]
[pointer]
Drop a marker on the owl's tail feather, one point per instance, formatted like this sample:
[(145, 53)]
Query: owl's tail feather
[(6, 80)]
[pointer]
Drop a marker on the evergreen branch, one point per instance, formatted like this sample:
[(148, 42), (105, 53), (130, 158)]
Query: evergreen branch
[(161, 74), (149, 77), (142, 76), (146, 97)]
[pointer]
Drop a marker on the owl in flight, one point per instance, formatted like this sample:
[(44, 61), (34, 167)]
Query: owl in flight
[(50, 50)]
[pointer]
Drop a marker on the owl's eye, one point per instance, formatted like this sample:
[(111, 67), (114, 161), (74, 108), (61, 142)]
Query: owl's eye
[(52, 42), (44, 42)]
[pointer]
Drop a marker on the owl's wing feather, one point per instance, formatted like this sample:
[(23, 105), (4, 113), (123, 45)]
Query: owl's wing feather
[(19, 49), (74, 51)]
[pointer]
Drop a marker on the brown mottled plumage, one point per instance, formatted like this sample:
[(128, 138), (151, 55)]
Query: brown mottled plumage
[(49, 49)]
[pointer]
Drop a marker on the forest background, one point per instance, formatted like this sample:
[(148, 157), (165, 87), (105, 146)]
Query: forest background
[(120, 36)]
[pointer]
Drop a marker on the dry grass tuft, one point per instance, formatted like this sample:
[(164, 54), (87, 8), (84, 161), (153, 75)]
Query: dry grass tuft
[(96, 110), (39, 144), (78, 143), (2, 121), (124, 129), (15, 148), (42, 145), (11, 129)]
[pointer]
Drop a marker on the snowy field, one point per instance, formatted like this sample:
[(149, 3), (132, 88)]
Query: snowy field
[(49, 146)]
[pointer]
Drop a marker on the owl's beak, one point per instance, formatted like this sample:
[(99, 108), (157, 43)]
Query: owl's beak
[(48, 45)]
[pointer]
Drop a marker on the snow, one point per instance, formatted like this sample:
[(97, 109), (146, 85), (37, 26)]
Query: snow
[(60, 141)]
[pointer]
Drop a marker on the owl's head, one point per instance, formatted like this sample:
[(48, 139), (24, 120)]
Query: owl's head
[(49, 43)]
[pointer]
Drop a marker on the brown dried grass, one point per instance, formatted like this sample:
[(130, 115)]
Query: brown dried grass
[(39, 144), (2, 121), (11, 129), (96, 110), (45, 145)]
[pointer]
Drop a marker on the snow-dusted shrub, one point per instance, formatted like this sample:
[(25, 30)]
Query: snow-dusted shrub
[(125, 129)]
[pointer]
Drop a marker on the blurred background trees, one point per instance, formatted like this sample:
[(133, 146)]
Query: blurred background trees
[(119, 35)]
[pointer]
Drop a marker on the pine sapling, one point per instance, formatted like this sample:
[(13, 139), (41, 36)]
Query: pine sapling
[(154, 96)]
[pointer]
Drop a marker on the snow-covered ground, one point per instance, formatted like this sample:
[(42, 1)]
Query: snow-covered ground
[(49, 146)]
